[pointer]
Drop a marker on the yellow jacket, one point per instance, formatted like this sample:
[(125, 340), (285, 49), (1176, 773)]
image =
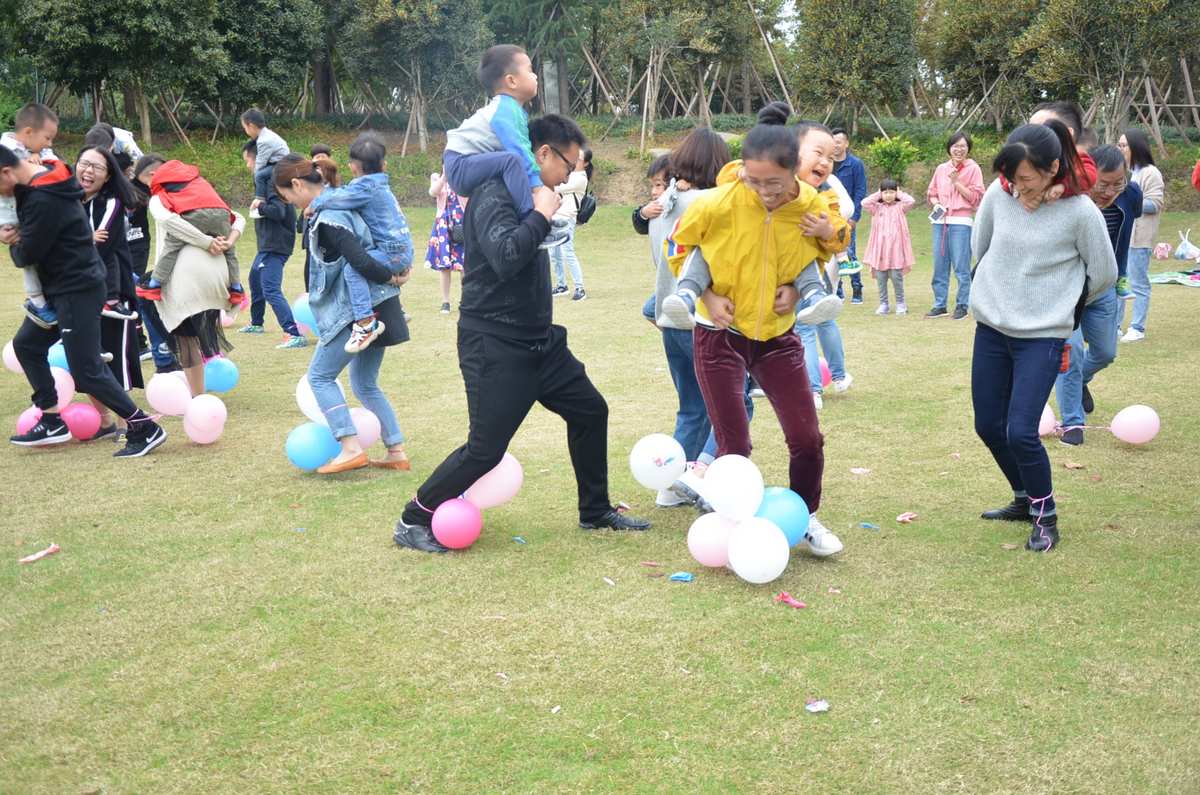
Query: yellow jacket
[(749, 250), (841, 227)]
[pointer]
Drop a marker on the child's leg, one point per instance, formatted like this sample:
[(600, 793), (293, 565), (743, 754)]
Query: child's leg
[(816, 305), (466, 173), (898, 286), (445, 286), (881, 279), (165, 265), (262, 181), (33, 286), (360, 294), (695, 276)]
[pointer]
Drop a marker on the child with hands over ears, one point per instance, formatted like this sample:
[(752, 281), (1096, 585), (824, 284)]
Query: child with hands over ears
[(889, 251)]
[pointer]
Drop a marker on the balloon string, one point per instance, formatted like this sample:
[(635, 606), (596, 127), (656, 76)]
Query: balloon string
[(1063, 428)]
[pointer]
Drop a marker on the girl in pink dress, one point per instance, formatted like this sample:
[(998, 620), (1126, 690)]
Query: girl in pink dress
[(889, 251)]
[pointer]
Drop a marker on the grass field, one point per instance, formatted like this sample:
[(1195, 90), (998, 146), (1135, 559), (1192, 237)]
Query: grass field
[(218, 621)]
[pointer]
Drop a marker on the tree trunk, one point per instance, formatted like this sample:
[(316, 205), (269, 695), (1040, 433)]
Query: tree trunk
[(747, 105), (129, 100), (564, 83), (143, 113), (323, 83), (419, 106)]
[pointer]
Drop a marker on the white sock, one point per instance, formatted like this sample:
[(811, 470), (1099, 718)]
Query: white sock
[(38, 300)]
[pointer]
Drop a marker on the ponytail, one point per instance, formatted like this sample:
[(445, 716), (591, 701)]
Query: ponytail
[(1041, 145), (293, 166)]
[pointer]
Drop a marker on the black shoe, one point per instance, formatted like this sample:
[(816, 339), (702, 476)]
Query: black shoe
[(937, 311), (959, 313), (112, 432), (1015, 511), (1072, 437), (50, 430), (1089, 405), (559, 290), (1044, 536), (416, 536), (118, 310), (141, 439), (615, 520), (579, 295)]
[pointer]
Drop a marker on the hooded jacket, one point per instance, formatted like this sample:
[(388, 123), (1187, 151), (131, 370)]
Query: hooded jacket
[(181, 189), (750, 251), (56, 234)]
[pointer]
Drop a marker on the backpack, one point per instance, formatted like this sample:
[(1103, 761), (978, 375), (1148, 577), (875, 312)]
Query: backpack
[(587, 208)]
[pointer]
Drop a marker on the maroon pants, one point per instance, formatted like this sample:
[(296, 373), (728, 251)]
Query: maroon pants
[(722, 360)]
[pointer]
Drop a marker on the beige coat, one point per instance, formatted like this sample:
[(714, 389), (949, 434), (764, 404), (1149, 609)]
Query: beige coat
[(1145, 229)]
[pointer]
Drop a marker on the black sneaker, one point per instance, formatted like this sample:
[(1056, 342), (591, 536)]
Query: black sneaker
[(141, 439), (959, 313), (1044, 536), (937, 311), (580, 295), (615, 520), (1015, 511), (418, 537), (1089, 405), (111, 432), (50, 430), (1072, 437), (559, 290), (118, 310)]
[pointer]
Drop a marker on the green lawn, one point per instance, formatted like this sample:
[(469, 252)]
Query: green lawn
[(218, 621)]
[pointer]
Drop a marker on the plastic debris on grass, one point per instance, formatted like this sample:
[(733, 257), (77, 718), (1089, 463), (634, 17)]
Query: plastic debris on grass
[(868, 526), (786, 598), (908, 517), (859, 471), (520, 540), (298, 530), (955, 456), (45, 553), (815, 705), (1010, 546), (833, 589), (682, 576), (608, 581), (1073, 465), (652, 564), (557, 708)]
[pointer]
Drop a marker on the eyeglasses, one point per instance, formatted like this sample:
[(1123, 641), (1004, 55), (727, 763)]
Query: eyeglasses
[(87, 165), (767, 186), (570, 166), (1112, 187)]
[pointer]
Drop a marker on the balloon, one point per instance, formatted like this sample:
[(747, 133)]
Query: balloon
[(302, 312), (826, 373), (168, 394), (734, 486), (82, 420), (366, 426), (202, 435), (57, 356), (1136, 424), (10, 359), (206, 411), (64, 384), (220, 375), (758, 551), (245, 304), (498, 486), (708, 540), (657, 461), (1048, 422), (787, 511), (311, 445), (226, 319), (308, 401), (456, 524), (29, 417), (304, 330)]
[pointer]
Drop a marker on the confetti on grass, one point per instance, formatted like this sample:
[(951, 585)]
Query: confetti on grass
[(859, 471), (682, 576), (908, 517), (36, 556), (814, 705), (520, 540), (789, 600), (868, 526), (1073, 465), (608, 581)]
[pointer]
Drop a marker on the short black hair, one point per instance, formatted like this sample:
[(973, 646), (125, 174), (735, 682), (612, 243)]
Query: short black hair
[(369, 150), (320, 149), (496, 63), (840, 131), (1139, 148), (959, 136), (555, 130), (1068, 112), (35, 116), (1088, 139), (1108, 158), (659, 165), (254, 116), (145, 161), (250, 148), (99, 137), (889, 184), (8, 158), (771, 139)]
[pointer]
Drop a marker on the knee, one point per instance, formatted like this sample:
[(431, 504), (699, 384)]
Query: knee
[(806, 442), (990, 430)]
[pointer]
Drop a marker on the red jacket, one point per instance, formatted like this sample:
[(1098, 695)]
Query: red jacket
[(1196, 176), (181, 189), (1085, 175)]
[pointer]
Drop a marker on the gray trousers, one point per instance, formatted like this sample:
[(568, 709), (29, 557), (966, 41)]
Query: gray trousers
[(212, 222), (897, 278)]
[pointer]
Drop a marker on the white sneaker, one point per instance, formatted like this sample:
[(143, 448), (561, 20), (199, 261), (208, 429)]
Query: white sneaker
[(842, 384), (757, 393), (818, 401), (1133, 335), (677, 314), (901, 309), (883, 309), (362, 336), (821, 311), (820, 540), (667, 498)]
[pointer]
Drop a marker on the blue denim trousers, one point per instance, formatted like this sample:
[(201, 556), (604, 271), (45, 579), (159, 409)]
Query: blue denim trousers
[(1099, 329), (951, 248), (1139, 282), (831, 345), (565, 254), (266, 287), (329, 360), (692, 428)]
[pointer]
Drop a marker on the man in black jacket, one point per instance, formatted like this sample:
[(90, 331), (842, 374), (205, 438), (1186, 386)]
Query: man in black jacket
[(511, 355), (55, 236), (275, 233)]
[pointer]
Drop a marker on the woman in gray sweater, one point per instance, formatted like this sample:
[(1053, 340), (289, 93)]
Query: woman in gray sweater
[(1039, 263)]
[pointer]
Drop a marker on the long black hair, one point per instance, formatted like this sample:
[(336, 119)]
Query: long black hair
[(1139, 148), (1041, 145), (117, 185), (771, 139)]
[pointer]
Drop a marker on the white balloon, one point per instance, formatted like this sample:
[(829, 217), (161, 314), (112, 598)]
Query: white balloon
[(657, 461), (734, 487), (758, 551), (308, 401)]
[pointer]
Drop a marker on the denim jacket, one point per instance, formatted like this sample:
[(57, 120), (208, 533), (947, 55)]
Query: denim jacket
[(327, 293), (371, 197)]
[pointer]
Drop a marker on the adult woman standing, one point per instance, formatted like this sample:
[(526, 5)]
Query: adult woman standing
[(1039, 263), (957, 188), (1136, 147), (338, 240), (139, 249), (572, 192), (445, 254)]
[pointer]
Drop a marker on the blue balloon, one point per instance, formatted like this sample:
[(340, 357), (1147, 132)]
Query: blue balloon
[(302, 312), (220, 375), (787, 510), (57, 356), (311, 445)]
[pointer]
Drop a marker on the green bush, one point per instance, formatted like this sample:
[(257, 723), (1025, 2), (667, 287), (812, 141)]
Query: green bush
[(735, 147), (893, 156), (9, 105)]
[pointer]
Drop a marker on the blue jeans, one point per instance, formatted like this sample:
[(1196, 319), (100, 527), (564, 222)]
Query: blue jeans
[(465, 173), (266, 286), (692, 428), (566, 253), (831, 345), (855, 278), (327, 363), (1099, 328), (1139, 282), (358, 287), (710, 446), (156, 332), (951, 247), (648, 308), (1011, 380)]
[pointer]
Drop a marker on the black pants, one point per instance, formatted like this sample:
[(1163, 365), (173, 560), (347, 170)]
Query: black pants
[(79, 320), (504, 378)]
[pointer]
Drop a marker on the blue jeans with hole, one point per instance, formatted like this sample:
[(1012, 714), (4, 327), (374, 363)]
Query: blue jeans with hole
[(329, 360), (951, 249), (1099, 329), (1139, 282)]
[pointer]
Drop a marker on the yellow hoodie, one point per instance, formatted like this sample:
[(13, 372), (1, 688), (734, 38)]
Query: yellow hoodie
[(749, 250)]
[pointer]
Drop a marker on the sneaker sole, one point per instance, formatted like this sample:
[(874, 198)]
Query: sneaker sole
[(397, 536), (37, 321), (53, 440), (116, 316), (677, 313), (822, 311), (152, 444)]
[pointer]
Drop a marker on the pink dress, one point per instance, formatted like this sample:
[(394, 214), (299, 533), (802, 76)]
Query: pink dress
[(890, 247)]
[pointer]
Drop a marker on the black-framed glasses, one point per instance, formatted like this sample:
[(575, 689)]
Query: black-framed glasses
[(87, 165), (570, 166)]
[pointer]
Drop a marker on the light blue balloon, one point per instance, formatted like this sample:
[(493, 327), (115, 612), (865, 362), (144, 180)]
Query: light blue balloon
[(311, 445), (220, 375), (302, 312), (57, 356), (787, 510)]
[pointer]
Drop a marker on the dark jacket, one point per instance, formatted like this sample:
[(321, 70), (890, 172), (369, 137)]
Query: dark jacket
[(506, 277), (853, 175), (107, 213), (1130, 205), (56, 236), (640, 225), (276, 230)]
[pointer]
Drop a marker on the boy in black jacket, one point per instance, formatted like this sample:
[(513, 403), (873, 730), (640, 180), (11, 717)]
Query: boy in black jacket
[(55, 237)]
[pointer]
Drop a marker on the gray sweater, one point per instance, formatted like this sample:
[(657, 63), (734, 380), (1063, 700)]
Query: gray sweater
[(1032, 265)]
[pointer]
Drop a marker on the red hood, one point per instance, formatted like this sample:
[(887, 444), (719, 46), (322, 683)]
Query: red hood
[(58, 172), (172, 171)]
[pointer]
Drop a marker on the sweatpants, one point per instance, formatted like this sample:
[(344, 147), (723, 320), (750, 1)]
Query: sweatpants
[(897, 279), (212, 222)]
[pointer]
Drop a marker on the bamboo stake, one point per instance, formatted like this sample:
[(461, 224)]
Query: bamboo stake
[(1187, 84), (787, 97), (870, 112), (1170, 113), (1154, 128)]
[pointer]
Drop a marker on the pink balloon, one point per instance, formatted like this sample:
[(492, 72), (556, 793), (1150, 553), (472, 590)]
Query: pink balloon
[(1136, 424), (708, 540), (64, 385), (304, 330), (1048, 422), (457, 523), (29, 417), (82, 420), (202, 435), (168, 394), (498, 486), (366, 426), (10, 359), (226, 319), (826, 373), (206, 412)]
